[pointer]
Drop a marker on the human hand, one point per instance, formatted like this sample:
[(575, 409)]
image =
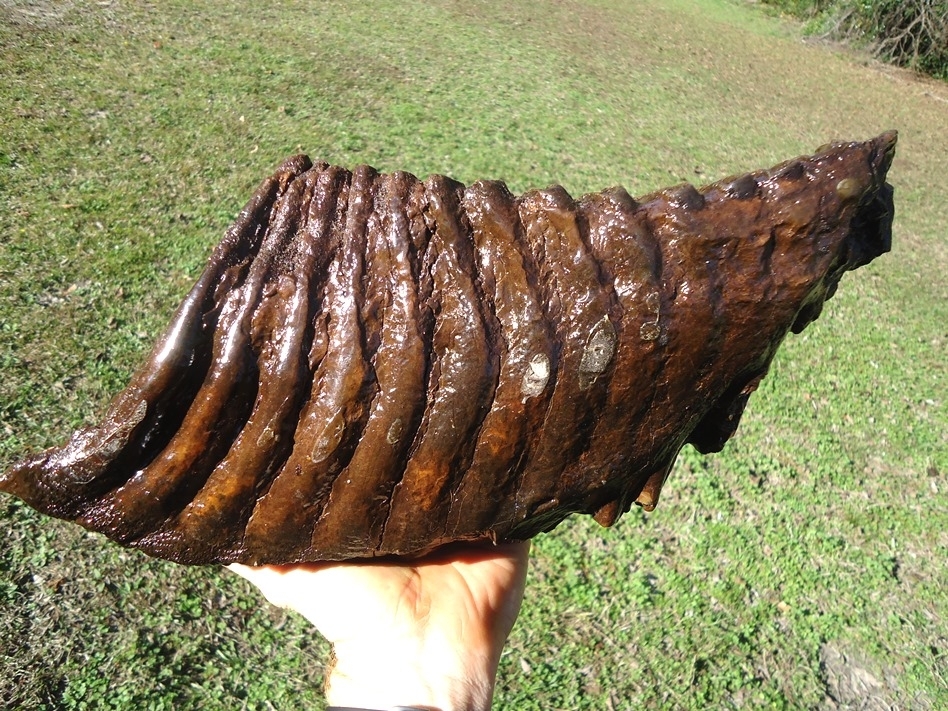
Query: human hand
[(425, 633)]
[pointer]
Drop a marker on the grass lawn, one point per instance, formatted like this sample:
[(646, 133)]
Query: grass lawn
[(803, 567)]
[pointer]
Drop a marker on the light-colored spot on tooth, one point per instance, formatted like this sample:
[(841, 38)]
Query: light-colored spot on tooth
[(848, 188), (652, 302), (536, 376), (329, 438), (395, 432), (118, 438), (267, 437), (600, 347), (650, 330)]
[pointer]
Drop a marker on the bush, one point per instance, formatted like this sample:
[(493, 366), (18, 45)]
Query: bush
[(909, 33)]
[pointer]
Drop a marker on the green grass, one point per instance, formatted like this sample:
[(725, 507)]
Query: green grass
[(131, 134)]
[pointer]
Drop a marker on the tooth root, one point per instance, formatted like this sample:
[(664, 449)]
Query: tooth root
[(607, 514), (650, 493)]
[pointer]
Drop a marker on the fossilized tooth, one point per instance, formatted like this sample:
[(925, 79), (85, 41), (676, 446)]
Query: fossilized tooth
[(374, 365)]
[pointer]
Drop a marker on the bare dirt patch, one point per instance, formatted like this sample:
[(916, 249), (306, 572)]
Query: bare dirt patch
[(22, 13), (855, 684)]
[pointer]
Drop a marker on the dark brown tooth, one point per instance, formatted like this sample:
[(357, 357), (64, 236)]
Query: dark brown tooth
[(372, 365)]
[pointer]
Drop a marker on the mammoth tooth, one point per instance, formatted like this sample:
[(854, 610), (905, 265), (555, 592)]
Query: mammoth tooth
[(374, 365)]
